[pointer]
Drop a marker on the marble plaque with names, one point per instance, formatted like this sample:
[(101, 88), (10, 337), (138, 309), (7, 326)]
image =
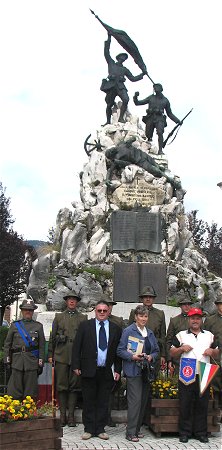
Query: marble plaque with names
[(132, 230), (131, 278)]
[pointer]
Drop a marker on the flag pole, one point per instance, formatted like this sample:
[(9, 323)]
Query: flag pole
[(53, 390)]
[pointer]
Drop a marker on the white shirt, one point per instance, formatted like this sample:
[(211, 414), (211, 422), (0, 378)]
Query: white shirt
[(199, 343), (101, 354)]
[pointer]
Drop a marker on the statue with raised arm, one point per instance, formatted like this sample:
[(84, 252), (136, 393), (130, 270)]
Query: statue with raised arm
[(114, 85), (155, 118)]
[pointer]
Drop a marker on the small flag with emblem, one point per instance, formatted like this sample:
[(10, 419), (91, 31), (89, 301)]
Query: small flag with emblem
[(187, 373)]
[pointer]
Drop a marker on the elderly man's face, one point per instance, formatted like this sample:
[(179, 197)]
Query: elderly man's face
[(27, 314), (102, 311), (185, 308), (147, 300), (195, 322), (71, 302)]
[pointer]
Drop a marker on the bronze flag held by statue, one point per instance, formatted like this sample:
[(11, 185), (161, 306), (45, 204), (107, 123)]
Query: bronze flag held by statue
[(126, 42)]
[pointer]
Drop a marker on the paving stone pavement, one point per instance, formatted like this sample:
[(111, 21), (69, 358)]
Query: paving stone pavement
[(72, 440)]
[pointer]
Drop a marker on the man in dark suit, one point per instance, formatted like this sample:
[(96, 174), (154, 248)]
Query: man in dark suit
[(94, 358)]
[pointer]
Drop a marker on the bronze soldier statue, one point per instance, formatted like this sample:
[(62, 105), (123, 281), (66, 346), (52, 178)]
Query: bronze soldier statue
[(64, 329), (155, 118), (125, 154), (24, 352), (114, 86)]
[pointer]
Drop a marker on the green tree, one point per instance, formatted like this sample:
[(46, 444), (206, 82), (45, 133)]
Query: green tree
[(208, 239), (198, 228), (213, 248), (12, 254)]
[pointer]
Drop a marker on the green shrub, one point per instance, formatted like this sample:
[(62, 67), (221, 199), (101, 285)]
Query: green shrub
[(3, 334), (51, 281), (172, 302)]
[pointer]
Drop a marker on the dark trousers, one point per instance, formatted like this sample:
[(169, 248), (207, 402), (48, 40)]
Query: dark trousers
[(96, 392), (193, 409), (23, 383)]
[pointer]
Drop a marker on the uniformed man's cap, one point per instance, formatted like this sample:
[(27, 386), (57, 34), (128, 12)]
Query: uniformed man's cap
[(148, 291), (108, 300), (195, 311), (72, 294), (28, 304), (184, 301), (218, 299)]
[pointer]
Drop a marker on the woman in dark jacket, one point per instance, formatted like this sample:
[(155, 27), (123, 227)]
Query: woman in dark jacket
[(139, 349)]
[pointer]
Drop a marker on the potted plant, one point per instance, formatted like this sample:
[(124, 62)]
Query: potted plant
[(165, 407), (22, 423)]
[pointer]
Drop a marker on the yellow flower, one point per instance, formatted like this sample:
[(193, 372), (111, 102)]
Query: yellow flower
[(10, 409)]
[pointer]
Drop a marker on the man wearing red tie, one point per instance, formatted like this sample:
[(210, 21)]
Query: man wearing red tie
[(95, 359)]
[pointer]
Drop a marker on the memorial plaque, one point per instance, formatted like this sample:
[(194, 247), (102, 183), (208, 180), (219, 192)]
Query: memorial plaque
[(132, 230), (126, 281), (138, 191), (131, 278)]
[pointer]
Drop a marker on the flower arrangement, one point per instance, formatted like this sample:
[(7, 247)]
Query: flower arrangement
[(165, 388), (12, 410)]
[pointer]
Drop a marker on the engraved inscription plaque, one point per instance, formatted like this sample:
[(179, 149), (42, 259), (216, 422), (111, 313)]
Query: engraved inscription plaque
[(131, 230), (139, 191), (131, 278)]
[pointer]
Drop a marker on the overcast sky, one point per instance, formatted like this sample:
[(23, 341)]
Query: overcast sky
[(52, 63)]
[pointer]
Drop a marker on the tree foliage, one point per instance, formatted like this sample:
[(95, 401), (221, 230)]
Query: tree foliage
[(209, 240), (12, 254)]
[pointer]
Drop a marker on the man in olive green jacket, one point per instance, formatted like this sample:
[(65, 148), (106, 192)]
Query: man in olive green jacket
[(177, 324), (213, 323), (24, 352), (64, 328)]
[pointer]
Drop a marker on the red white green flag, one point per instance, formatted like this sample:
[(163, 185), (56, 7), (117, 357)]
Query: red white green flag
[(206, 374)]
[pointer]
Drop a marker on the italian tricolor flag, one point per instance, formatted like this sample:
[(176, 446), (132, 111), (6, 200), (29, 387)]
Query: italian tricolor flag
[(206, 374)]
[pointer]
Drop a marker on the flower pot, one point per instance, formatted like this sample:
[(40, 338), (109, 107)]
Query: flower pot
[(34, 434)]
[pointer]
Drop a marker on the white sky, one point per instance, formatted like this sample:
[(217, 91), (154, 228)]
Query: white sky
[(52, 63)]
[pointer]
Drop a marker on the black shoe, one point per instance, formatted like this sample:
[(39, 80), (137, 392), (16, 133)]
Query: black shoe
[(203, 439), (183, 439), (71, 423), (110, 423)]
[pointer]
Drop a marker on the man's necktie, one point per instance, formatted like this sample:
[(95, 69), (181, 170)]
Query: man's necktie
[(102, 337)]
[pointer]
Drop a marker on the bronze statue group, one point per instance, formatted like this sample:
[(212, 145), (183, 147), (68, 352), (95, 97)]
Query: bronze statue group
[(93, 355)]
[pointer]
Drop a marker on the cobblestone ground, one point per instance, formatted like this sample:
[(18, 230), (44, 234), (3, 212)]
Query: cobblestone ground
[(72, 441)]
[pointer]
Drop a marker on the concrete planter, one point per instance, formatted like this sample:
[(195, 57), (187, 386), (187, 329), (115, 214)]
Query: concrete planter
[(43, 433)]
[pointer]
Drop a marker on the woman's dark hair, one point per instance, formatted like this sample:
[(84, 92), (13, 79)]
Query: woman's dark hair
[(142, 310)]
